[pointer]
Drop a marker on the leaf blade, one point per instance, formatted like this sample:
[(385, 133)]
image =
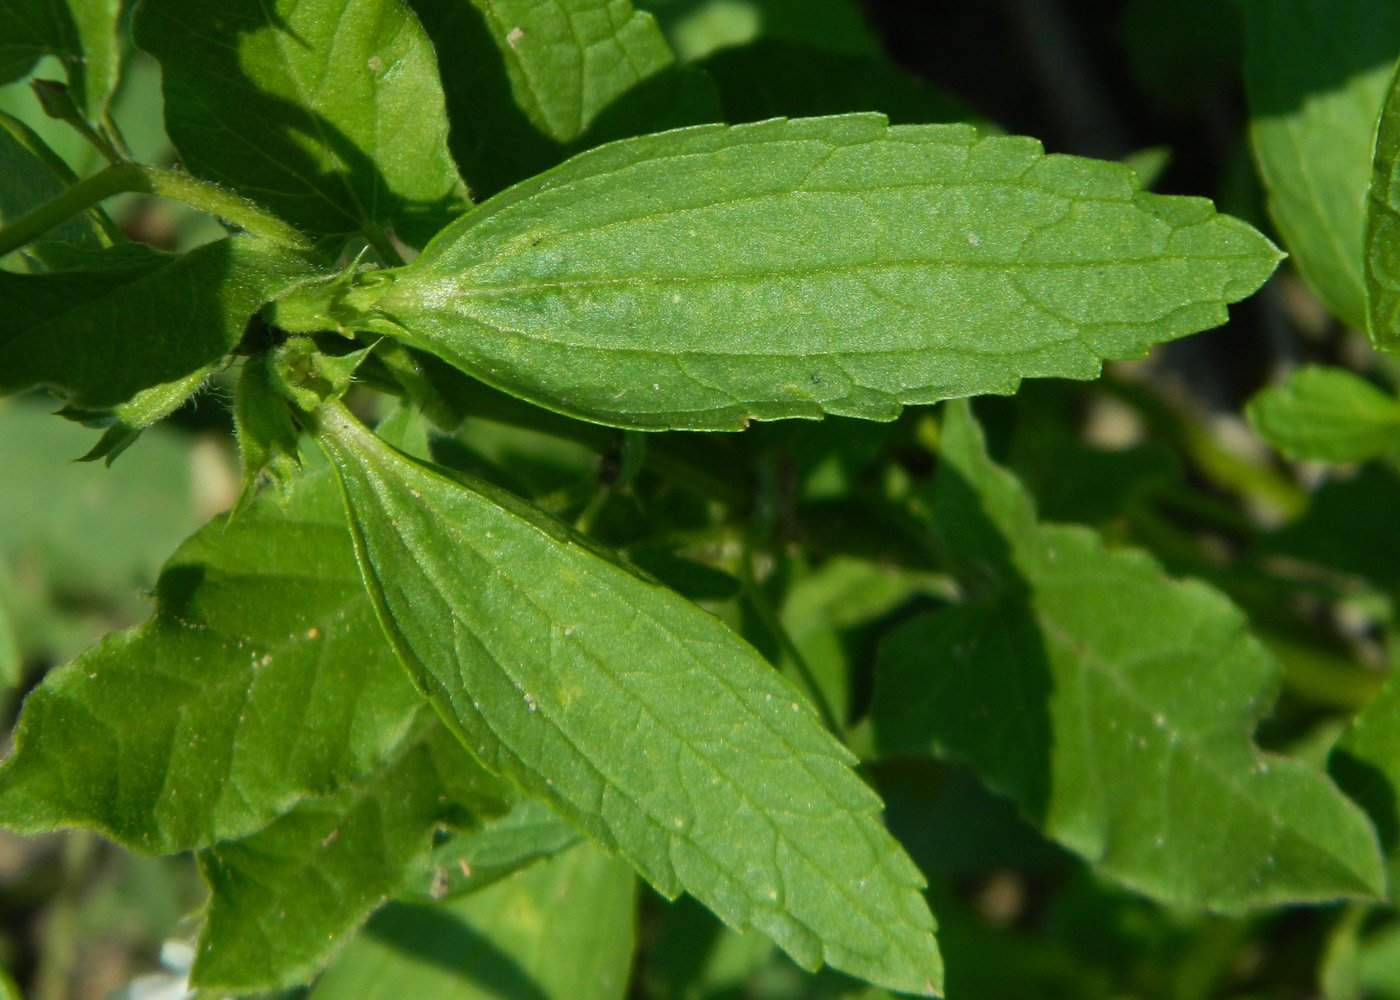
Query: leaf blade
[(1327, 414), (699, 278), (1382, 250), (527, 672), (271, 100), (1115, 705)]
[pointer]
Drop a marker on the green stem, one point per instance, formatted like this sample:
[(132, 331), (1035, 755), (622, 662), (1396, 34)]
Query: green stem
[(123, 177), (775, 627)]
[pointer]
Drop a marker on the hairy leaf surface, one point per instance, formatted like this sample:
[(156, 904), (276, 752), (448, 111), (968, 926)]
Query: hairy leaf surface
[(1115, 705), (1383, 228), (263, 679), (124, 319), (328, 112), (636, 716), (1328, 414), (703, 277), (1316, 74), (564, 930)]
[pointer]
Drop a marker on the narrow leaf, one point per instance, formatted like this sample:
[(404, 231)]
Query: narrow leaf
[(563, 930), (1316, 73), (1115, 705), (328, 112), (262, 679), (284, 900), (1327, 414), (468, 862), (528, 82), (127, 318), (703, 277), (125, 422), (636, 716), (1383, 228)]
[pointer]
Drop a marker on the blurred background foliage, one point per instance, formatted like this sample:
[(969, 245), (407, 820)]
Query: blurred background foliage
[(800, 525)]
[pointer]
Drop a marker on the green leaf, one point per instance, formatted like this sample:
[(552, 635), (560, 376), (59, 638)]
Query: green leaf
[(82, 33), (564, 930), (262, 679), (1316, 73), (468, 862), (125, 422), (1115, 705), (1327, 414), (284, 900), (703, 277), (1366, 762), (528, 82), (30, 180), (1382, 255), (1338, 529), (127, 318), (267, 437), (327, 112), (639, 718)]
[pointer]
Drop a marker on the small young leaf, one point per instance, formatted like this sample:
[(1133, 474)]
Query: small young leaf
[(285, 899), (1327, 414), (1382, 258), (1115, 705), (699, 278), (564, 930), (468, 862), (638, 717), (1316, 73), (263, 679), (267, 438), (328, 112), (124, 423), (124, 319), (528, 82)]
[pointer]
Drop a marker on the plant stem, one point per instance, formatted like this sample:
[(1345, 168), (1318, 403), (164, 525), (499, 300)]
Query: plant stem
[(123, 177), (774, 625)]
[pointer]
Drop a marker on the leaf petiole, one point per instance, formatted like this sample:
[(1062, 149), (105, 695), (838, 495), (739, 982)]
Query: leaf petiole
[(123, 177)]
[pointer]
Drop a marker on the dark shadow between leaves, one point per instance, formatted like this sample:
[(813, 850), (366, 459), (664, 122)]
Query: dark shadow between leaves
[(229, 130), (1371, 789), (433, 935), (1314, 48), (494, 141), (973, 681)]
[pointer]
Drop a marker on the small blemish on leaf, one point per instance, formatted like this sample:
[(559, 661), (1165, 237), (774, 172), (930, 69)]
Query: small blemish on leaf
[(514, 35)]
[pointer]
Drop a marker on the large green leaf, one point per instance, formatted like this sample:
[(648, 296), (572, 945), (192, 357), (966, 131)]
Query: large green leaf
[(263, 679), (636, 716), (528, 81), (1114, 704), (127, 318), (1383, 228), (1316, 73), (703, 277), (285, 899), (82, 33), (328, 112), (564, 930), (1327, 414)]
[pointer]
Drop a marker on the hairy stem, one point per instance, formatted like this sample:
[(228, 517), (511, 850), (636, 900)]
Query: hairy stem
[(123, 177)]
